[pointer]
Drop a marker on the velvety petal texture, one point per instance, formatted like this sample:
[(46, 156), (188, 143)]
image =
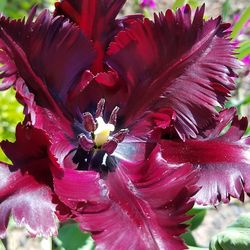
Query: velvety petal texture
[(177, 63), (25, 191), (48, 53), (45, 60), (97, 21), (222, 159), (29, 202), (139, 206)]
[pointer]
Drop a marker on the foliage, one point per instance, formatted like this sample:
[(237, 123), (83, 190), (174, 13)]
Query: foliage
[(19, 9), (235, 237), (70, 237)]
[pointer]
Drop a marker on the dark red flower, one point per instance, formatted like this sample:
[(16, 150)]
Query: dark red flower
[(106, 96), (222, 159), (26, 187)]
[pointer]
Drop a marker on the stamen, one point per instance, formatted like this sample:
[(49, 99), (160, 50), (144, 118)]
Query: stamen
[(100, 131), (110, 146), (85, 143), (121, 135), (113, 116), (100, 108), (89, 122)]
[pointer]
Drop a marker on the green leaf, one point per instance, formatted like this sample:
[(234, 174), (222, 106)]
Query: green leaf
[(2, 6), (243, 50), (2, 247), (194, 3), (178, 4), (235, 237), (70, 237), (226, 7), (189, 239), (243, 19), (10, 114), (198, 216), (248, 131)]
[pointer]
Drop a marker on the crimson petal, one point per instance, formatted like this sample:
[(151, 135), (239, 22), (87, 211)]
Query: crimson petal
[(223, 160), (97, 21), (144, 202), (25, 187), (44, 60), (28, 201), (48, 53), (177, 63)]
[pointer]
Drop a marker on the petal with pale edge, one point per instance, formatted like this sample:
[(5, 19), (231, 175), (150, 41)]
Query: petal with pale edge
[(139, 206), (28, 201), (223, 160), (175, 63), (25, 187)]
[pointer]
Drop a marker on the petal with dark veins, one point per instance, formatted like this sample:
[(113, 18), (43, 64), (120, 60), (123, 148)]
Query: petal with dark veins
[(28, 201), (223, 160), (97, 19), (177, 63), (44, 59), (26, 187), (144, 202)]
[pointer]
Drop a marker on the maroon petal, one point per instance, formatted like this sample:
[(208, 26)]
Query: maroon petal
[(44, 59), (178, 63), (96, 19), (48, 53), (223, 160), (25, 187), (28, 201), (144, 202)]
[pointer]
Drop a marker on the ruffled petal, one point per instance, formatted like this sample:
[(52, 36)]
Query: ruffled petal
[(25, 187), (44, 60), (97, 19), (144, 202), (28, 201), (177, 63), (223, 160), (48, 53)]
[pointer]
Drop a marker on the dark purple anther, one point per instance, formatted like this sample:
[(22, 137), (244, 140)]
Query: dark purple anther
[(89, 122), (110, 146), (121, 135), (100, 108), (113, 116), (85, 143)]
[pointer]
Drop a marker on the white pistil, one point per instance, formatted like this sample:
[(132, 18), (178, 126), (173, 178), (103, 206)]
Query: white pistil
[(102, 132)]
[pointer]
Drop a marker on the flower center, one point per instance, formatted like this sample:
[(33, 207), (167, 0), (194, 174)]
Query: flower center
[(98, 134), (102, 133)]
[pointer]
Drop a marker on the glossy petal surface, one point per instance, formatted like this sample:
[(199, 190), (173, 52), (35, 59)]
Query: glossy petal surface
[(223, 160), (97, 21), (44, 60), (48, 53), (175, 63), (143, 202), (25, 191)]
